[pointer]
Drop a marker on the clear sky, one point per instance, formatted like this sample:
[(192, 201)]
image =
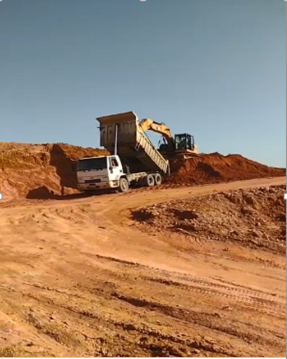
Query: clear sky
[(212, 68)]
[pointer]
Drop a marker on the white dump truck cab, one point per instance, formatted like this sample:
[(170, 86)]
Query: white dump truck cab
[(102, 172)]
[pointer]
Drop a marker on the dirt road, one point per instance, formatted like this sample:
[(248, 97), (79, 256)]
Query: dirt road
[(79, 278)]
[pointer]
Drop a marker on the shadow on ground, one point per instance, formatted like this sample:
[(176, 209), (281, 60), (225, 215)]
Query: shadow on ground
[(44, 193)]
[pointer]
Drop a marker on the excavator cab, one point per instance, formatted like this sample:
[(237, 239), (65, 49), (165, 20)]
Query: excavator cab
[(182, 145), (184, 142)]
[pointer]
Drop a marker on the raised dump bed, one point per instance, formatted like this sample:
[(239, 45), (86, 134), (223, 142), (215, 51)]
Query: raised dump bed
[(124, 133)]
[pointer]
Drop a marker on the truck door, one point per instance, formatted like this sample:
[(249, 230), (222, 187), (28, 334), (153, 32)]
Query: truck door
[(115, 169)]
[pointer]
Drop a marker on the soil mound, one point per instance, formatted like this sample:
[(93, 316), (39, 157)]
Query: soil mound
[(215, 168), (40, 171), (254, 218)]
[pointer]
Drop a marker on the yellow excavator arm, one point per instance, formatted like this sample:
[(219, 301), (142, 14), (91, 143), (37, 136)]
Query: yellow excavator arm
[(148, 124), (188, 146)]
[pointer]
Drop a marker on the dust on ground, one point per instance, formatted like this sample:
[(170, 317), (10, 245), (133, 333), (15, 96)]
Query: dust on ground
[(80, 278)]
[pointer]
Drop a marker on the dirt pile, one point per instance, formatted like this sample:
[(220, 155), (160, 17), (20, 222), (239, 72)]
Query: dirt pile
[(39, 171), (252, 218), (48, 170), (216, 168)]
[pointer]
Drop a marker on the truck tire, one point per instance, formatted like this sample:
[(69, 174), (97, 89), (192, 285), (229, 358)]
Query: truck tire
[(157, 179), (123, 185), (149, 181)]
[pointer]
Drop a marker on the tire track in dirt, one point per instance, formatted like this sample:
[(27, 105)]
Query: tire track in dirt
[(248, 298), (248, 288), (139, 334), (246, 292), (203, 288), (200, 318), (205, 285), (206, 320)]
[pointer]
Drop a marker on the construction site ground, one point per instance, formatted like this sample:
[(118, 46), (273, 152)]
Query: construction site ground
[(170, 272)]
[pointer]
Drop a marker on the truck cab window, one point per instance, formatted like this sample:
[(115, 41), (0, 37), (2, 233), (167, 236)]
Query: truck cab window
[(114, 162)]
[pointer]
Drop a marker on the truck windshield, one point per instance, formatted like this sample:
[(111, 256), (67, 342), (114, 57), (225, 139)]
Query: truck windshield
[(92, 164)]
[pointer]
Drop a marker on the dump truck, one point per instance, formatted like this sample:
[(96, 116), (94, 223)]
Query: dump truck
[(133, 159)]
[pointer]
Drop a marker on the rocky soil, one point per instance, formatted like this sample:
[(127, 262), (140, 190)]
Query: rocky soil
[(253, 218)]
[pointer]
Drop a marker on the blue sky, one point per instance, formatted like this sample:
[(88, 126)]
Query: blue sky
[(215, 69)]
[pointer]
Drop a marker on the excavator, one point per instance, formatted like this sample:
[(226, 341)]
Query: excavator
[(179, 145)]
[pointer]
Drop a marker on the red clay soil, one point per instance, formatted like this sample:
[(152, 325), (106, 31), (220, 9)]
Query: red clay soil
[(40, 171), (216, 168), (48, 170)]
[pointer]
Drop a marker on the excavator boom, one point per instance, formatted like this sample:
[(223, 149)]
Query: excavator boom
[(148, 124), (180, 144)]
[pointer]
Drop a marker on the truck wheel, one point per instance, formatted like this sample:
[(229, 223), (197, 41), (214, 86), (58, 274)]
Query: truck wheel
[(149, 180), (123, 185), (158, 179)]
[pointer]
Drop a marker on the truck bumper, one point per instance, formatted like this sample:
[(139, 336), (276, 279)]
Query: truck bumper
[(100, 185)]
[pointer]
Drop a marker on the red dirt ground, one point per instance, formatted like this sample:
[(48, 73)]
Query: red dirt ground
[(43, 171)]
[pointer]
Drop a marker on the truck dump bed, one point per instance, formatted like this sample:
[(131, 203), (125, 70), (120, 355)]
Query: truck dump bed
[(133, 145)]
